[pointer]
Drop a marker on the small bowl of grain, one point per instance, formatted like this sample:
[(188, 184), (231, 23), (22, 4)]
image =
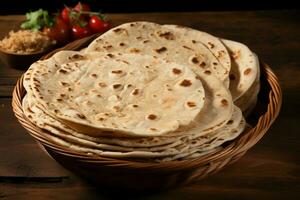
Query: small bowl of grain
[(21, 48)]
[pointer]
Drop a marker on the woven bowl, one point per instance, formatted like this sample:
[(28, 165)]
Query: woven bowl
[(113, 172)]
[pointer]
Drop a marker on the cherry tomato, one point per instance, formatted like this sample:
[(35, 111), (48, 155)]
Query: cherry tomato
[(82, 7), (65, 15), (80, 32), (98, 25), (59, 32)]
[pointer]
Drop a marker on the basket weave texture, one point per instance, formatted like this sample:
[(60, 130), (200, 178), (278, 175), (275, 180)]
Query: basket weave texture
[(139, 175)]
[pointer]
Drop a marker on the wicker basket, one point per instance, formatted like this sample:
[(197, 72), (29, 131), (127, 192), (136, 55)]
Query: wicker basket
[(138, 175)]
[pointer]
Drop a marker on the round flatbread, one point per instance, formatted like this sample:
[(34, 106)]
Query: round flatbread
[(48, 88), (128, 93), (213, 43), (156, 40), (180, 148), (244, 70)]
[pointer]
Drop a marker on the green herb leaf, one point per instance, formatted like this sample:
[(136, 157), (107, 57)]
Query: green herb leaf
[(37, 20), (82, 23)]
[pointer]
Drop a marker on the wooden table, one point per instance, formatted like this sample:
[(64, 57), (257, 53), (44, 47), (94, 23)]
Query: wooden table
[(269, 170)]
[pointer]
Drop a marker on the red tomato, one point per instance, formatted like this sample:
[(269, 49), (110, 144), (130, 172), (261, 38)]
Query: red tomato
[(59, 32), (80, 32), (98, 25), (82, 7), (65, 15)]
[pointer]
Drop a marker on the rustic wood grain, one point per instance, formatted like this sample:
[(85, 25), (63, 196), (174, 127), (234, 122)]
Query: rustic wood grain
[(269, 170)]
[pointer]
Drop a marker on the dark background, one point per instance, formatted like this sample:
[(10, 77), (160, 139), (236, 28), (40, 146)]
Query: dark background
[(111, 6)]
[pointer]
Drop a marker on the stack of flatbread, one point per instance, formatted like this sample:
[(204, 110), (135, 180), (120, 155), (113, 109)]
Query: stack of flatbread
[(144, 91)]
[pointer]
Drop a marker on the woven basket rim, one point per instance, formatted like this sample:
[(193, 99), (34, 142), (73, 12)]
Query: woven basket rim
[(237, 146)]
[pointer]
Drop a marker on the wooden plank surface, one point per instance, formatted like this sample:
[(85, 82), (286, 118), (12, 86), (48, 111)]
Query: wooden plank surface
[(269, 170)]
